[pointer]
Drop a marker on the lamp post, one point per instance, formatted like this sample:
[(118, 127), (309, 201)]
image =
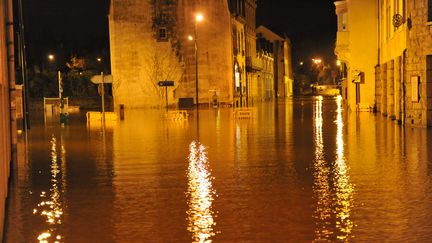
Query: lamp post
[(198, 18)]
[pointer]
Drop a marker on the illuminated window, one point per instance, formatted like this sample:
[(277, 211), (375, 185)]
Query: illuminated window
[(237, 77)]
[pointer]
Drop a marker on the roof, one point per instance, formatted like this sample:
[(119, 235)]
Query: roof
[(268, 34)]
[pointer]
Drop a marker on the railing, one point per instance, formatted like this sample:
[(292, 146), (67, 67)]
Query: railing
[(254, 63)]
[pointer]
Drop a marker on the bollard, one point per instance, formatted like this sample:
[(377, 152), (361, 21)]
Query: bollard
[(122, 112)]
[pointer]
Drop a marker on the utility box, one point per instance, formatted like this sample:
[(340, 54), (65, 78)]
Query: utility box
[(186, 103)]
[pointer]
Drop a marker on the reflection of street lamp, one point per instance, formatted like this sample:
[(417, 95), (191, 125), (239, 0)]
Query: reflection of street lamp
[(198, 18)]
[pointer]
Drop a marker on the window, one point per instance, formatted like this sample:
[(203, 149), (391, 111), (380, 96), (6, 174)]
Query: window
[(388, 19), (344, 21), (429, 10), (162, 35)]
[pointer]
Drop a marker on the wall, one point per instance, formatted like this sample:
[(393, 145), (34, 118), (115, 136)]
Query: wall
[(5, 134), (390, 71), (139, 60), (418, 63), (363, 42)]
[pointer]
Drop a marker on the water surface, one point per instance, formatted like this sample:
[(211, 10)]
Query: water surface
[(300, 171)]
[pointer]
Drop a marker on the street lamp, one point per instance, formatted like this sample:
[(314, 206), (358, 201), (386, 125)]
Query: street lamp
[(198, 18), (51, 57)]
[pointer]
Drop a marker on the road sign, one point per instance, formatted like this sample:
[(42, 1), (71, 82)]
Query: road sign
[(166, 83), (98, 80)]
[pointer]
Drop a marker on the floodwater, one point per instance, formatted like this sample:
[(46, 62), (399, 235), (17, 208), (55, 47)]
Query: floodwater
[(301, 171)]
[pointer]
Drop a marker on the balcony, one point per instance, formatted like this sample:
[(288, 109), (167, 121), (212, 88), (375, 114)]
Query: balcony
[(253, 64)]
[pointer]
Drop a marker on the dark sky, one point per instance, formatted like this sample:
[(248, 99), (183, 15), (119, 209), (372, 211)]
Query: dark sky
[(310, 24), (82, 24)]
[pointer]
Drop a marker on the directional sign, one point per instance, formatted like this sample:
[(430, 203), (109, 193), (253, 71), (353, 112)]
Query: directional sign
[(97, 79), (166, 83)]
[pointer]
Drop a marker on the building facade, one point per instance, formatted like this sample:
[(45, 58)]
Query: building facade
[(275, 79), (357, 52), (149, 43), (253, 64), (238, 26), (389, 68), (7, 87), (417, 63)]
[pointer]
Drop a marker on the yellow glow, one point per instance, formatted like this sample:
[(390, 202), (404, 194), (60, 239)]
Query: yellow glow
[(99, 59), (338, 63), (344, 188), (190, 38), (199, 17), (51, 57), (200, 195), (51, 209), (321, 187), (332, 188)]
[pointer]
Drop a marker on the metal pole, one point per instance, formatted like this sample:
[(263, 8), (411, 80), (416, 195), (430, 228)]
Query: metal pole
[(166, 97), (103, 99), (196, 70), (59, 84)]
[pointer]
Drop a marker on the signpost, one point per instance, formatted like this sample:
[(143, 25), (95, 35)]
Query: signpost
[(102, 80), (166, 84)]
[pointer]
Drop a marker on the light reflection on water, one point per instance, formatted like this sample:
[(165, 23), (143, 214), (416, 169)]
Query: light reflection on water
[(200, 195), (333, 190), (321, 187), (51, 205), (300, 171), (344, 187)]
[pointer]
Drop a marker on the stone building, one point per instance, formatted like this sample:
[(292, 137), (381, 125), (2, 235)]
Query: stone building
[(238, 26), (389, 68), (7, 93), (417, 63), (149, 43), (275, 79)]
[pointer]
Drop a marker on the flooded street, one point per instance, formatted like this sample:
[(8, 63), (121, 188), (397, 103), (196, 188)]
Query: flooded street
[(301, 171)]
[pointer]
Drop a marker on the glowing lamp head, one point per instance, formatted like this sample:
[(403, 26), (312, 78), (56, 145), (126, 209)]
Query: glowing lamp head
[(199, 17), (99, 59), (190, 38), (50, 57)]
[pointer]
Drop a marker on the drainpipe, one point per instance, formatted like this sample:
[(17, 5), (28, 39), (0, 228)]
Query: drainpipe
[(379, 52), (11, 71), (23, 63)]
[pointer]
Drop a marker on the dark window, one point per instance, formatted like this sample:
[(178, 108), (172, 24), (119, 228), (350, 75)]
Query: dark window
[(429, 10), (162, 34)]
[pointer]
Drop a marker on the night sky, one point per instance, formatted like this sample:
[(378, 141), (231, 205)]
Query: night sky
[(82, 26)]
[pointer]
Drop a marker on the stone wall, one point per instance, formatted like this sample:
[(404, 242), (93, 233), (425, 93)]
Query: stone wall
[(140, 58), (419, 50)]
